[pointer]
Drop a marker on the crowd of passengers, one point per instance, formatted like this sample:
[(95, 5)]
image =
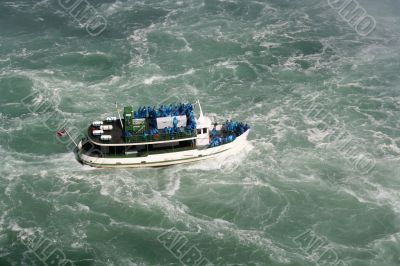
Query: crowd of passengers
[(171, 110), (163, 111), (234, 130)]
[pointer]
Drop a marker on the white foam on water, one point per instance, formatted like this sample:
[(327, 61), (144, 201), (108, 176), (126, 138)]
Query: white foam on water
[(227, 64), (116, 7), (173, 186), (82, 207), (85, 53), (385, 247), (316, 136), (367, 191), (269, 120), (155, 78), (226, 164), (10, 125), (176, 212)]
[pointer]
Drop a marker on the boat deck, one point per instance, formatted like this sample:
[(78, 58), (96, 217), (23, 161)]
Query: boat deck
[(115, 133), (117, 136)]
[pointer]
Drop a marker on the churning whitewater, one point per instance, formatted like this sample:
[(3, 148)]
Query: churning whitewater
[(317, 184)]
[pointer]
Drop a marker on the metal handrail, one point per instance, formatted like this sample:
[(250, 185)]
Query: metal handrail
[(136, 138)]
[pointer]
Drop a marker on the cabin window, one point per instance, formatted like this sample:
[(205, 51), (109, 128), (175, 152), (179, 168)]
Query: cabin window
[(204, 130), (199, 131)]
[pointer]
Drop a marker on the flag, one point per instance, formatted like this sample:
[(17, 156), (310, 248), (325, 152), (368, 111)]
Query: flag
[(61, 133)]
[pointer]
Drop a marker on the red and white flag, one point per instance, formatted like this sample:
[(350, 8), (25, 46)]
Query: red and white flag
[(61, 133)]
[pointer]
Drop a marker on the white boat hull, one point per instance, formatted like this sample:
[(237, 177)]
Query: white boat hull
[(166, 159)]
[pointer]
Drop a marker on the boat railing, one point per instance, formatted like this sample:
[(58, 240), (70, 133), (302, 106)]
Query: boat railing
[(137, 138)]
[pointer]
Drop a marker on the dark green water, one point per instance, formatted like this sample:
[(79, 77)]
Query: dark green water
[(318, 185)]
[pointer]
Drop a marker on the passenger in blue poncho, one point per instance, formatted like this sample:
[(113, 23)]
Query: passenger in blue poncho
[(175, 122)]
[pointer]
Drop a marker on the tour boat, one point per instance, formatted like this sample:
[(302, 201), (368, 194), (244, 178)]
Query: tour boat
[(162, 136)]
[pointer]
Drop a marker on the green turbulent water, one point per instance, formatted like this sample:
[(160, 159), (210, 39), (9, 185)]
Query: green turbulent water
[(318, 184)]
